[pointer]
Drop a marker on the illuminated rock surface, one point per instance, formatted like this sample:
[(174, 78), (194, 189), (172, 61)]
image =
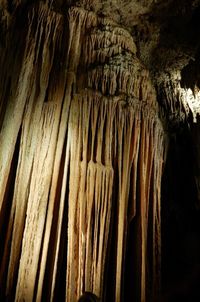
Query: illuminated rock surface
[(90, 103)]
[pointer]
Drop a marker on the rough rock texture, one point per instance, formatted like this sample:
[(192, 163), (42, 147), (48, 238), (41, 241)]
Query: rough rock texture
[(90, 96), (165, 32)]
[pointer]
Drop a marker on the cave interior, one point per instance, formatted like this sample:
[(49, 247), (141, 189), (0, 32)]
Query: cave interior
[(81, 53)]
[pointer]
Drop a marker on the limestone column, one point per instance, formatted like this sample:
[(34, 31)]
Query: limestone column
[(116, 157), (89, 162)]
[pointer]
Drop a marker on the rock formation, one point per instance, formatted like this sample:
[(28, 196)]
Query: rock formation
[(88, 107)]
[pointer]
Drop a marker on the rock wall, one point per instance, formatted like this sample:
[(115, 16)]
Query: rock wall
[(81, 159)]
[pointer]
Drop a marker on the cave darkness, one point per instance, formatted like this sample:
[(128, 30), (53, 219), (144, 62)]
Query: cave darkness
[(180, 222)]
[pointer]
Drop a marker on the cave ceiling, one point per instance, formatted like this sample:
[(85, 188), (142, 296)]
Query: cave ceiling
[(166, 34)]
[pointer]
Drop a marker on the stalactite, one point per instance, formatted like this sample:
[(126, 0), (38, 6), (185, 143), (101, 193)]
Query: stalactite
[(91, 141), (117, 71), (35, 100), (173, 104)]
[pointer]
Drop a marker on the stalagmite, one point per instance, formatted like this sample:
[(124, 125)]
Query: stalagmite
[(90, 162)]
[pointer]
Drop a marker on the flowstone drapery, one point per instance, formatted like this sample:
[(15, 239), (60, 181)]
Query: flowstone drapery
[(89, 163)]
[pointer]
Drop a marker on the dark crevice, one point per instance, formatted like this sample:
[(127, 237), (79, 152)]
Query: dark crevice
[(53, 239), (5, 223)]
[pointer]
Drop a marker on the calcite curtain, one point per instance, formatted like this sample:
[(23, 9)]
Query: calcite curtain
[(81, 159)]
